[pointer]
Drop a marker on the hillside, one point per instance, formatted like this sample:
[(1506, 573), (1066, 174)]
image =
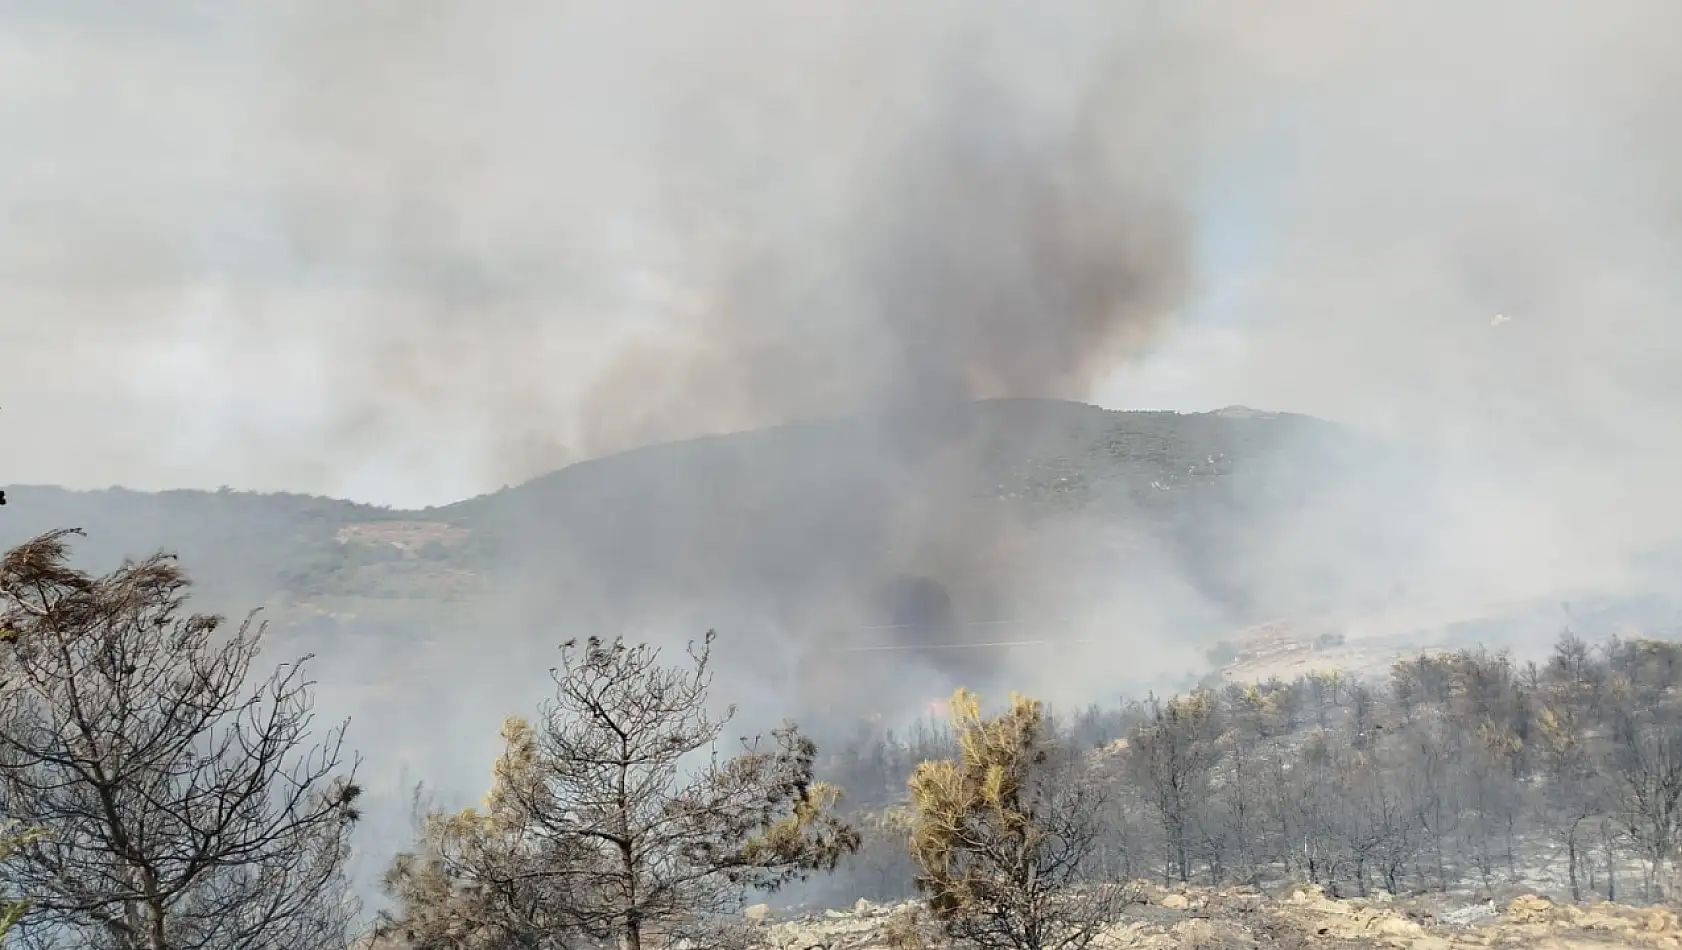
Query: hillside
[(1009, 520), (709, 508), (784, 538)]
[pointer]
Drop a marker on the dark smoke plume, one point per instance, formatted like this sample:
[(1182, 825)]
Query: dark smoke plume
[(989, 256), (990, 253)]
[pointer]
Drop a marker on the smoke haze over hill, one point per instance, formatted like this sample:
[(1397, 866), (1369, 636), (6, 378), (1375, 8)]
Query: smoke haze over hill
[(409, 252), (330, 239)]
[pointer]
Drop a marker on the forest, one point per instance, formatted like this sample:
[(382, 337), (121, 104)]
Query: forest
[(1461, 770), (168, 785)]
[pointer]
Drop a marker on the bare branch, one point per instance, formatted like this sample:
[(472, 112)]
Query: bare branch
[(181, 803)]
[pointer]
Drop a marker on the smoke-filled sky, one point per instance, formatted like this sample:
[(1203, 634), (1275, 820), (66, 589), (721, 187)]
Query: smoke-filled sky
[(406, 251), (410, 251)]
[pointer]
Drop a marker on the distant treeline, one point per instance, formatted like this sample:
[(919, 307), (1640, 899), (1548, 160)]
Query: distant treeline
[(1461, 770)]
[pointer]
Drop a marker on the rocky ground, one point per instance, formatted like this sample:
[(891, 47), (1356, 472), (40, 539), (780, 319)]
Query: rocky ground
[(1302, 917)]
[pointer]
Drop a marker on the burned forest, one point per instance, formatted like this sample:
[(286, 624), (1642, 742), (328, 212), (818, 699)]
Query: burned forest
[(169, 786)]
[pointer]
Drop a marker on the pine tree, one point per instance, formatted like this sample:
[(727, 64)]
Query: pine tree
[(1003, 834), (613, 817)]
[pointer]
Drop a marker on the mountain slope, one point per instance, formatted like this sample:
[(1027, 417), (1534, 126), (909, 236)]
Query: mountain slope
[(669, 502), (1007, 508), (800, 537), (778, 506)]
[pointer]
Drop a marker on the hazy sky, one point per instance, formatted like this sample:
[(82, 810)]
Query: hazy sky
[(408, 251)]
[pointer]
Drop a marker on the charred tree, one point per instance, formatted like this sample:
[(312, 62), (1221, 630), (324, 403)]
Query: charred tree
[(180, 801), (613, 815)]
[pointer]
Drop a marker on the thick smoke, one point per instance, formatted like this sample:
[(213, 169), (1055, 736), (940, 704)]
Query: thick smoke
[(988, 255), (987, 249), (312, 245), (532, 235), (411, 251), (361, 232)]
